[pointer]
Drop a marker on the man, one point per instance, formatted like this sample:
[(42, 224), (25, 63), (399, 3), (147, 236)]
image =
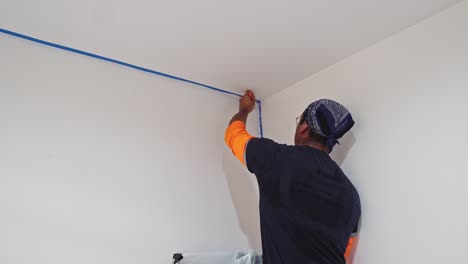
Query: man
[(308, 207)]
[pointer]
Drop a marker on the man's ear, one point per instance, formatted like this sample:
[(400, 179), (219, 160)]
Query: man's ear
[(304, 128)]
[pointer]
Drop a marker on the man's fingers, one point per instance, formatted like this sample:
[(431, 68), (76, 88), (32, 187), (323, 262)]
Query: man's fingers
[(250, 94)]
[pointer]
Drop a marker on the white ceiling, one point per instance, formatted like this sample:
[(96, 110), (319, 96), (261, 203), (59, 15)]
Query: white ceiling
[(264, 45)]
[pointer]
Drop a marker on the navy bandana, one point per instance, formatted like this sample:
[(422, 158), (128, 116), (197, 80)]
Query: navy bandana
[(328, 119)]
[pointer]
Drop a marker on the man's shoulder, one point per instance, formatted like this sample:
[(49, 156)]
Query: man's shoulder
[(267, 144)]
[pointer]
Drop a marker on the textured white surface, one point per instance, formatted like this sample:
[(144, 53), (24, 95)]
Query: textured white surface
[(264, 45), (103, 164), (407, 152)]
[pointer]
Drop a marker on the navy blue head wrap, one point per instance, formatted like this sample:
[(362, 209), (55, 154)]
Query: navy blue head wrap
[(328, 119)]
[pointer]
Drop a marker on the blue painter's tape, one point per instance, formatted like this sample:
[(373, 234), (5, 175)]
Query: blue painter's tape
[(99, 57)]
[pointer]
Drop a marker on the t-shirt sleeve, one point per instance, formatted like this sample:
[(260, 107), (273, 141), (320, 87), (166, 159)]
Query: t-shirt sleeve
[(262, 157)]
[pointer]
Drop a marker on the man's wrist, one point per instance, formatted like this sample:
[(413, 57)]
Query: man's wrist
[(243, 112)]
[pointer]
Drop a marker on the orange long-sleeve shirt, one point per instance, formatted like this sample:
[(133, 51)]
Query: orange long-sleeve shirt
[(236, 138)]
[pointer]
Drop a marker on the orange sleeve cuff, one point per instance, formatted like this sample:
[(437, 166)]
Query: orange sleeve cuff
[(349, 249), (236, 138)]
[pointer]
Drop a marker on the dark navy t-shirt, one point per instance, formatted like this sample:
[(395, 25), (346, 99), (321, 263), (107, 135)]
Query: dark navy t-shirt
[(308, 207)]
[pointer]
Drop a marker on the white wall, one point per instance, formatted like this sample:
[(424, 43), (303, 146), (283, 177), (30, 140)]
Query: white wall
[(407, 152), (104, 164)]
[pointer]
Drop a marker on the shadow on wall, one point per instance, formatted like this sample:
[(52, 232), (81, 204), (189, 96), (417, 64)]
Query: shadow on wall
[(244, 197), (341, 151)]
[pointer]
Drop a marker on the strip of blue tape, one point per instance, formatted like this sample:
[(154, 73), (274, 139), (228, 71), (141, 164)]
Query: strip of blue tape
[(99, 57)]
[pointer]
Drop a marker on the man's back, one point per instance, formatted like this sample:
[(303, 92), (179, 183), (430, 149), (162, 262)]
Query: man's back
[(308, 207)]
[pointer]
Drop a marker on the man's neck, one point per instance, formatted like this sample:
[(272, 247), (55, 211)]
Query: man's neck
[(316, 145)]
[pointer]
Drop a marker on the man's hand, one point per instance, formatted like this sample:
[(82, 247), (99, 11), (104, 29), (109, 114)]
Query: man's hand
[(247, 102), (246, 105)]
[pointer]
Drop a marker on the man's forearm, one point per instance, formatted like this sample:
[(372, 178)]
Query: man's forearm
[(240, 116)]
